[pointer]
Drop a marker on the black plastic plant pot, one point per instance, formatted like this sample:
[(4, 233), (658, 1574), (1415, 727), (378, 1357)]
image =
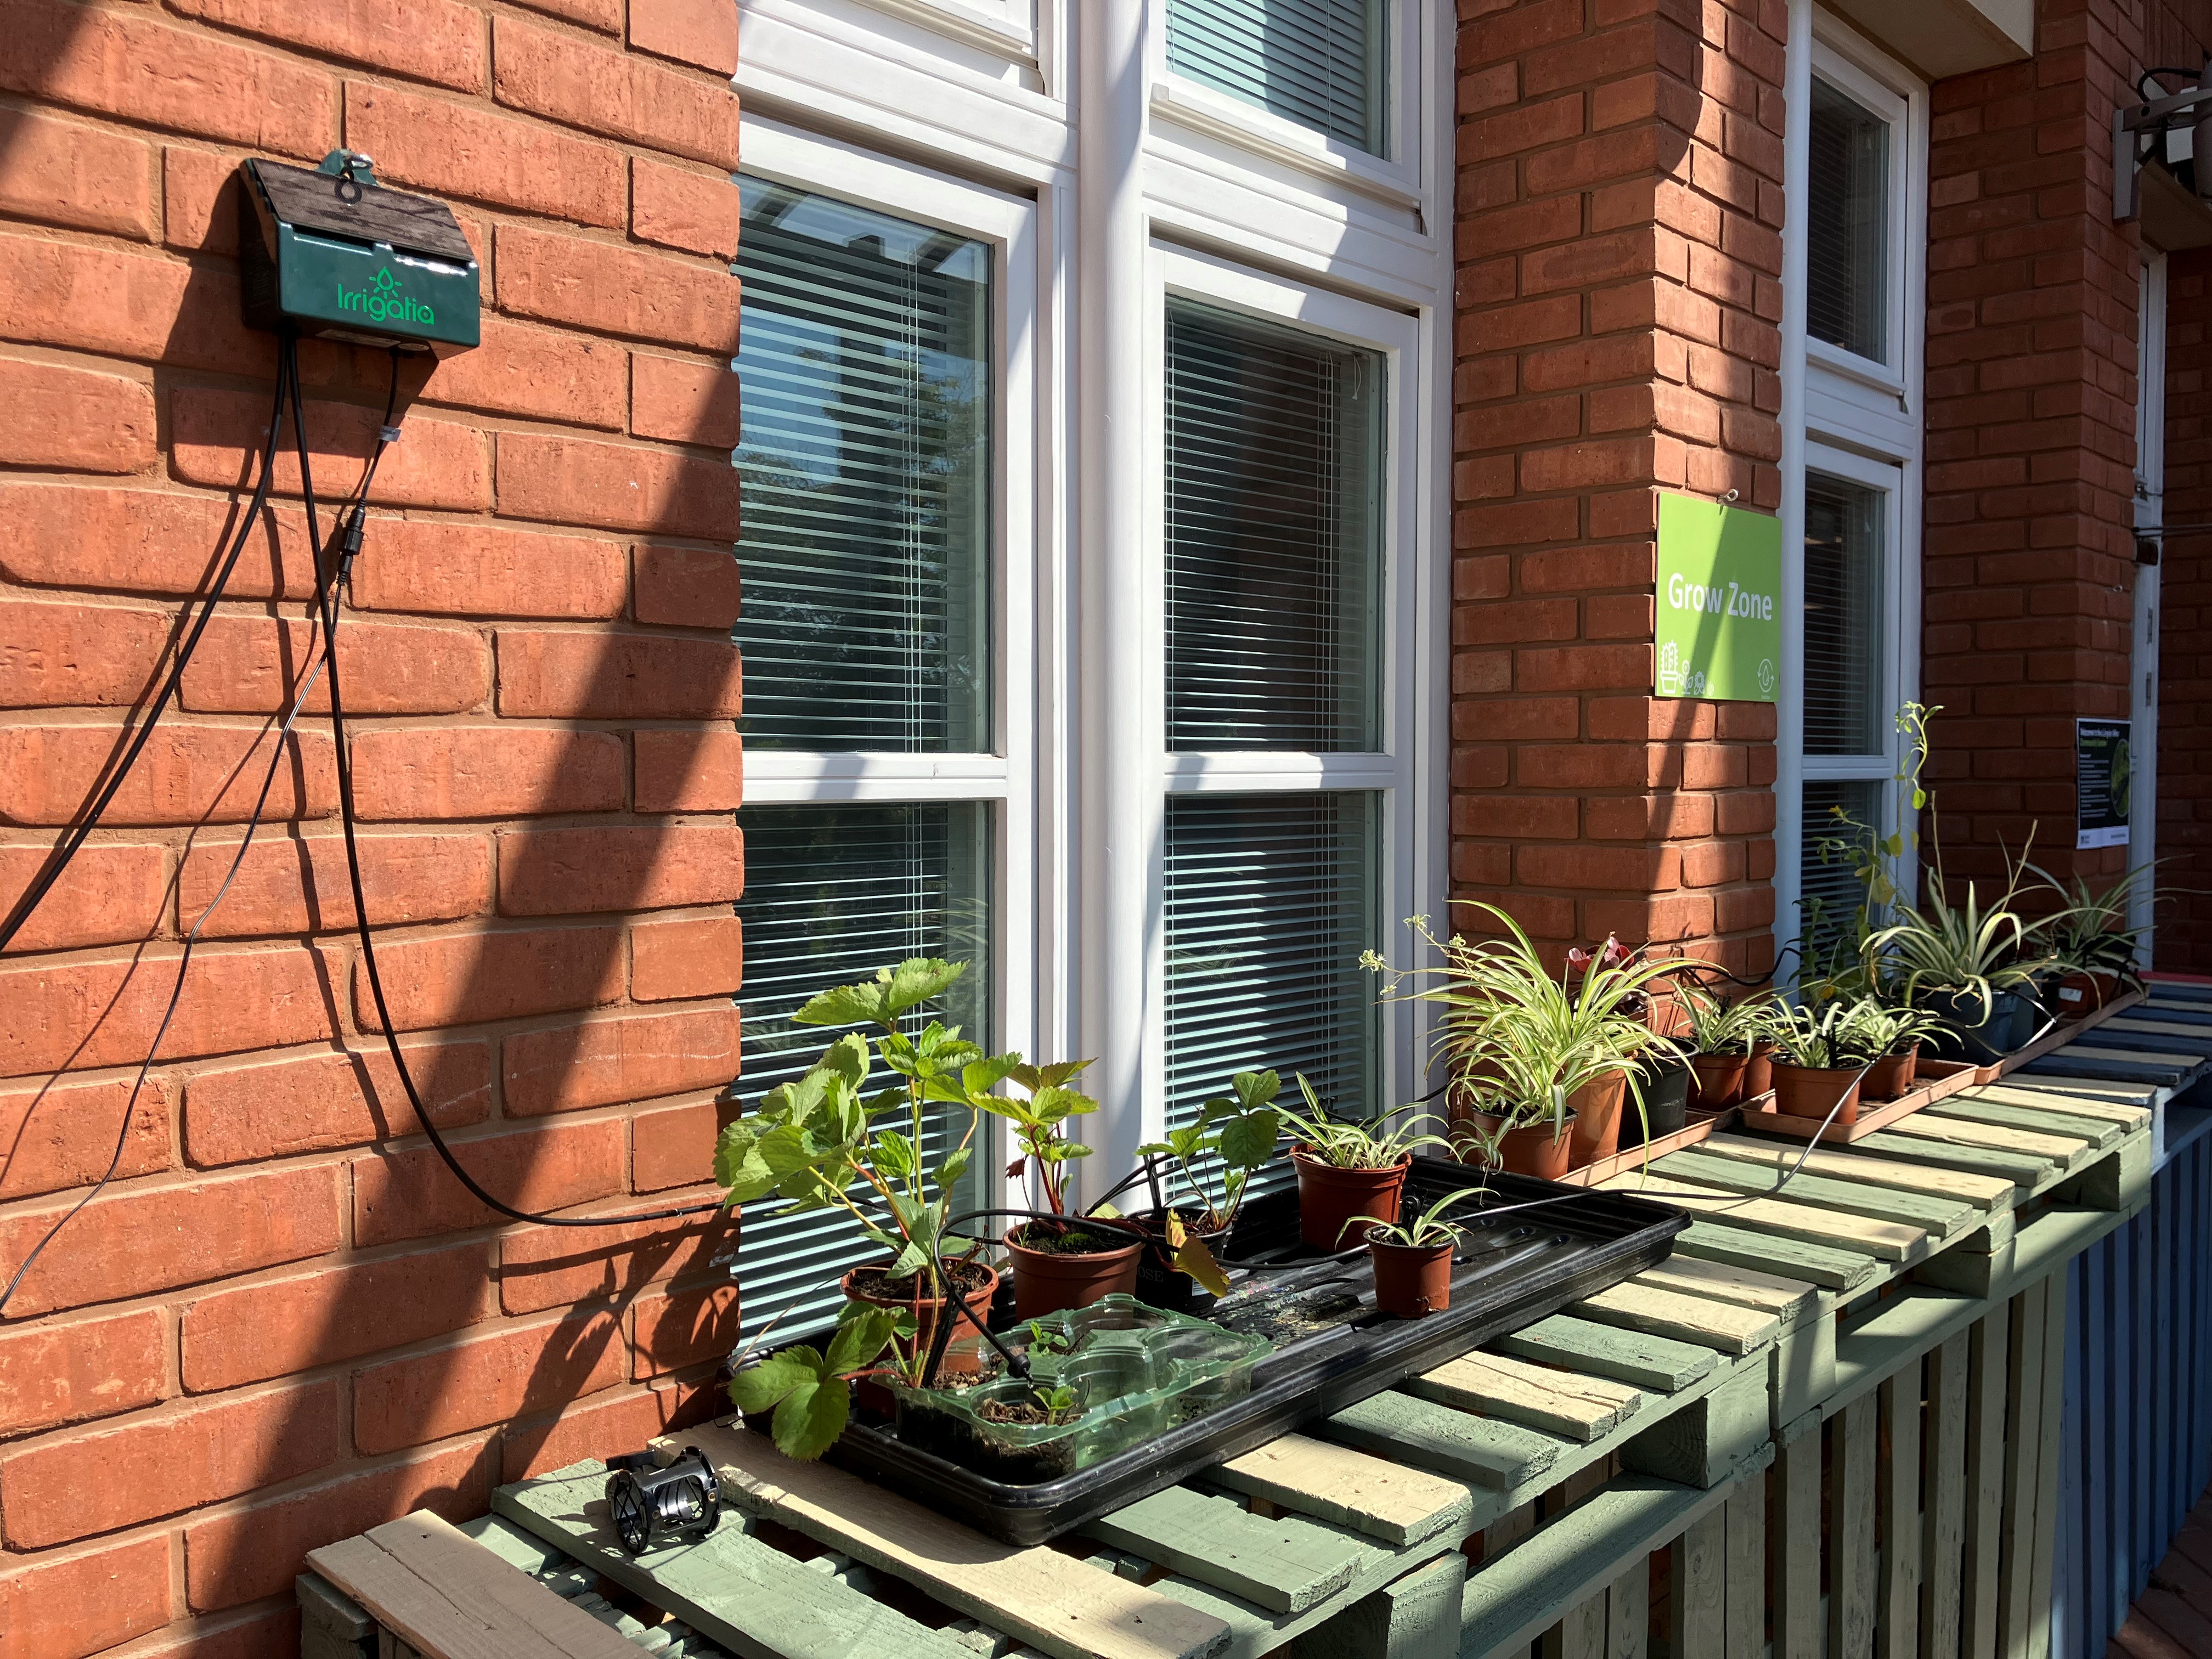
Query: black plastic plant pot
[(1666, 1104), (1159, 1283), (1965, 1034)]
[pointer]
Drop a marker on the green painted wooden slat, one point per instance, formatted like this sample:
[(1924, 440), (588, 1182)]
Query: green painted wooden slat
[(1640, 1360), (2021, 1169), (514, 1546), (1941, 1217), (1492, 1454), (748, 1595), (2097, 1132), (1824, 1265), (1285, 1563)]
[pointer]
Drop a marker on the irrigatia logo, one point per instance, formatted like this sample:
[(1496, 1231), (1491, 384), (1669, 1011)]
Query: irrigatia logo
[(383, 300)]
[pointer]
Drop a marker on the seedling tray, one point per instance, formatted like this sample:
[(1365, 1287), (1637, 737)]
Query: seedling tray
[(1933, 1080), (1332, 1348)]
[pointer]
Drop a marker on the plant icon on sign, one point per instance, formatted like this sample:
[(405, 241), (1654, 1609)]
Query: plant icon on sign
[(1766, 675), (387, 284), (1670, 670)]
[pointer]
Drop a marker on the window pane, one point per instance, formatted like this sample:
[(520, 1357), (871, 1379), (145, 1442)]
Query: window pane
[(1275, 536), (1829, 891), (1847, 226), (832, 893), (865, 384), (1319, 63), (1270, 901), (1844, 645)]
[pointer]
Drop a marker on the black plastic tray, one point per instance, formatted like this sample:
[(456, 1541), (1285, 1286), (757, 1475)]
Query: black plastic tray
[(1510, 1273)]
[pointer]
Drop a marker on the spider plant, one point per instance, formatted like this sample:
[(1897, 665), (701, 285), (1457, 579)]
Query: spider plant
[(1718, 1026), (2088, 932), (1822, 1038), (1876, 1029), (1374, 1144), (1428, 1228), (1969, 952)]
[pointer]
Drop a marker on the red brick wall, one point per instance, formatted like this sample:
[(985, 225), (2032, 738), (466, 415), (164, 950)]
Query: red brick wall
[(2182, 943), (2032, 328), (285, 1321), (1620, 251)]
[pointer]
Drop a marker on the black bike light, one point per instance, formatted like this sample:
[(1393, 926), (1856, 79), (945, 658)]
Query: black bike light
[(672, 1504), (331, 254)]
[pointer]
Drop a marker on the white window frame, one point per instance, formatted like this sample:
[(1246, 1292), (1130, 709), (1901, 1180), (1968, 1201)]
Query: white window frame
[(1852, 418), (1005, 777), (1401, 648), (2143, 661)]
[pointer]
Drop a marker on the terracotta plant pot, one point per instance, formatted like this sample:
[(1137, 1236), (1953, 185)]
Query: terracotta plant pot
[(1596, 1107), (1329, 1197), (1412, 1281), (1892, 1075), (1811, 1090), (2078, 994), (926, 1310), (1718, 1080), (1533, 1149), (1758, 1070), (1045, 1281)]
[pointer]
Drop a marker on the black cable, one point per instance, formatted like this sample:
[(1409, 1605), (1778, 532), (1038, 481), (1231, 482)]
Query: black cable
[(66, 850), (350, 536)]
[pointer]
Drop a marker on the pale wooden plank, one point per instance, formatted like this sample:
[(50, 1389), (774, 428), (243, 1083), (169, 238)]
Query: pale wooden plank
[(2048, 1495), (1651, 1311), (1657, 1363), (460, 1611), (1786, 1299), (2023, 1460), (1830, 1268), (1985, 1421), (1943, 1531), (1886, 1240), (1852, 1508), (1052, 1601), (2112, 1090), (2150, 1027), (1897, 1478), (1984, 1192), (1746, 1520), (2097, 1132), (1928, 1124), (2023, 1169), (1698, 1622), (1580, 1634), (473, 1576), (2177, 1059), (1576, 1407), (1489, 1452), (1628, 1612), (2126, 1115), (1285, 1563), (1798, 1628), (1939, 1215), (1384, 1500)]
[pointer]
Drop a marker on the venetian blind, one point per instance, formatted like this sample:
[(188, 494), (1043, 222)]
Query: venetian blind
[(832, 894), (1319, 63), (864, 387), (1828, 887), (1847, 225), (1843, 644), (1273, 534)]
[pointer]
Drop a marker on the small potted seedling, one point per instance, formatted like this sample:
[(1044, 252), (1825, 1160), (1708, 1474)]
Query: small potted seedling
[(1348, 1170), (1060, 1261), (1721, 1036), (1413, 1261), (1892, 1036), (1234, 1133), (2091, 947), (1818, 1063)]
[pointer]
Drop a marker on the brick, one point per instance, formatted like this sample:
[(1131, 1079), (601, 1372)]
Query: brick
[(602, 1426), (674, 1147), (52, 655), (167, 1464), (543, 1268), (684, 402), (186, 774), (133, 1244), (519, 370), (614, 289), (65, 1609), (84, 1014), (699, 213), (200, 200), (284, 1325), (684, 1327), (310, 1103), (674, 960), (485, 1380), (216, 438), (85, 178), (255, 1551), (1637, 869), (700, 32), (141, 541), (140, 306), (56, 1374), (249, 1636), (607, 1062), (479, 570), (438, 40), (463, 151), (686, 587), (109, 893), (122, 64), (605, 15), (72, 420), (300, 884), (252, 665), (566, 871), (1582, 667), (614, 677), (679, 771), (61, 1134), (615, 487), (399, 1195), (485, 772), (612, 93), (461, 979)]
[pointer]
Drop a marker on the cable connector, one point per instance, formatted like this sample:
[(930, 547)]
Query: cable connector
[(389, 435)]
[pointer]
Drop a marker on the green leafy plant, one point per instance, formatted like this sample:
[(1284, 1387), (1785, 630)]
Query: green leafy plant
[(1837, 955), (1040, 1124), (1819, 1036), (1239, 1130), (1876, 1029), (1373, 1144), (2087, 933), (1718, 1024), (807, 1387), (1970, 951), (1427, 1228)]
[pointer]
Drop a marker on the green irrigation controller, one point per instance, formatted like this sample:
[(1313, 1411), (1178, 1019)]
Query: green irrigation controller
[(329, 253)]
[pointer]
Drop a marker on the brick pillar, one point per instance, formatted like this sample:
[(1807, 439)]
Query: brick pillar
[(2182, 943), (286, 1323), (1620, 251), (2031, 386)]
